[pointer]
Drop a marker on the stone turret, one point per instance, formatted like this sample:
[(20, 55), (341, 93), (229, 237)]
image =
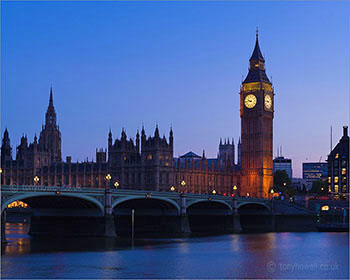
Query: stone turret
[(226, 155), (6, 150)]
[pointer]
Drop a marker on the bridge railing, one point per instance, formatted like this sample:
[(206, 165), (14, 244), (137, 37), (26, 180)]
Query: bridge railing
[(147, 193), (32, 188)]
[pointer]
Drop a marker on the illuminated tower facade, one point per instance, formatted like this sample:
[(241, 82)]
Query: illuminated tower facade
[(257, 111)]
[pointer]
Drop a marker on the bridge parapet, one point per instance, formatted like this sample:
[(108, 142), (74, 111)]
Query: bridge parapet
[(179, 200), (10, 194)]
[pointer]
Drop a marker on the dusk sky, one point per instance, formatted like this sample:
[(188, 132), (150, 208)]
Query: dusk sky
[(124, 64)]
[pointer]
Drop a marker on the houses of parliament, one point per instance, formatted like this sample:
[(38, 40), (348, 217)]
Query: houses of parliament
[(148, 163)]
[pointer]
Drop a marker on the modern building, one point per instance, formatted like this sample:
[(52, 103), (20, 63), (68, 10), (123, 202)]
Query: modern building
[(314, 171), (338, 165), (281, 163), (148, 163)]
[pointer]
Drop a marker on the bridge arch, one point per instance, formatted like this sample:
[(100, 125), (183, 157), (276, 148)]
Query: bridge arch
[(250, 203), (209, 215), (24, 196), (192, 203), (255, 216), (152, 215), (139, 197)]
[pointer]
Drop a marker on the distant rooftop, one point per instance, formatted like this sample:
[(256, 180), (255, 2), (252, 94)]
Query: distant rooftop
[(190, 154)]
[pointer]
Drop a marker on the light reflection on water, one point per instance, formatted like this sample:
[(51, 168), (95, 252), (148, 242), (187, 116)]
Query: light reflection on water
[(264, 255)]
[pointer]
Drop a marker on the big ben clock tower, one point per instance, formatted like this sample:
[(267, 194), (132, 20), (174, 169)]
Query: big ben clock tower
[(256, 110)]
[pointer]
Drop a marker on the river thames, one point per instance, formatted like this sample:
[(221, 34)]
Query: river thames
[(264, 255)]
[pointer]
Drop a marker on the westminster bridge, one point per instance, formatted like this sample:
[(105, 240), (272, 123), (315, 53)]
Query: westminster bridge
[(111, 212)]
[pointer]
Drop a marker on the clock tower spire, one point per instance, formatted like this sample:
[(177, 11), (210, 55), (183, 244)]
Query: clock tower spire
[(257, 112)]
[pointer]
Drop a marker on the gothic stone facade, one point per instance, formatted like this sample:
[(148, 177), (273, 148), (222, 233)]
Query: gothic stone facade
[(149, 163), (146, 163)]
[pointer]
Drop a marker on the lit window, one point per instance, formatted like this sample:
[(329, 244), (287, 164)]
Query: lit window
[(337, 155), (329, 179), (336, 188), (166, 163), (325, 208), (343, 171), (124, 158), (336, 179), (149, 156)]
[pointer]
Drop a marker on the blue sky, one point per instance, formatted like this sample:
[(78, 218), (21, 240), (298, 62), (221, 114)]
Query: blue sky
[(124, 64)]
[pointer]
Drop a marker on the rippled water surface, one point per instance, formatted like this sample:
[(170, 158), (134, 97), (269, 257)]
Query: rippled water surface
[(265, 255)]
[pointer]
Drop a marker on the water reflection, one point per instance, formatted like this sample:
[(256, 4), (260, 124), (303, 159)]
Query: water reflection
[(263, 255)]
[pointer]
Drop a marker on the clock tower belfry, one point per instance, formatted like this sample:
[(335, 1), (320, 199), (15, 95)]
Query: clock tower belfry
[(257, 111)]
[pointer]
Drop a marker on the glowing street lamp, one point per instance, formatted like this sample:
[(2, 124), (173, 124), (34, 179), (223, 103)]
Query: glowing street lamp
[(272, 191), (108, 178), (0, 170), (214, 192), (116, 184), (247, 194), (234, 190), (183, 184), (36, 180), (172, 188)]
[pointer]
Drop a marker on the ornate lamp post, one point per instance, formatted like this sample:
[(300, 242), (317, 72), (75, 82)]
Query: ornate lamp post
[(36, 180), (172, 188), (214, 192), (183, 184), (234, 189), (116, 184), (108, 178)]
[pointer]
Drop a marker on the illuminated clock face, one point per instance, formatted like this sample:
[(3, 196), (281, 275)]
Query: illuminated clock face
[(250, 101), (268, 101)]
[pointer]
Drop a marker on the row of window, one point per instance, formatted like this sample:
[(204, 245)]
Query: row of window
[(337, 189), (150, 157), (336, 179)]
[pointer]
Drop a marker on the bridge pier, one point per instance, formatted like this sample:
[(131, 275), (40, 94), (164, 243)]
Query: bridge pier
[(273, 223), (237, 228), (184, 221), (185, 225), (109, 224), (3, 221)]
